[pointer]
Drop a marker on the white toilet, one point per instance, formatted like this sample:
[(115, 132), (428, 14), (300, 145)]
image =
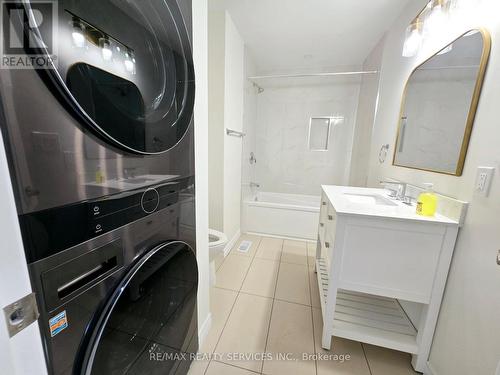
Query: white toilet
[(216, 243)]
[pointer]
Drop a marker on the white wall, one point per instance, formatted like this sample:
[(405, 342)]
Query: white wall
[(248, 171), (216, 84), (467, 336), (226, 89), (200, 56), (284, 162), (233, 119)]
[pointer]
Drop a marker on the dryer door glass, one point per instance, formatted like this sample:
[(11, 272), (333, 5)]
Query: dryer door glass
[(152, 315), (125, 68)]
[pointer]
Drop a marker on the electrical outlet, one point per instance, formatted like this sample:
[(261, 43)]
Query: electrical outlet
[(483, 180)]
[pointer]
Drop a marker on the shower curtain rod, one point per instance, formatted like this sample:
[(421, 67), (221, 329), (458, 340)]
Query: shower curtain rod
[(327, 74)]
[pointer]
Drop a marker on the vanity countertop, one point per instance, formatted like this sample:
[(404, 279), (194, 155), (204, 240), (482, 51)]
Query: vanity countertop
[(337, 195), (137, 182)]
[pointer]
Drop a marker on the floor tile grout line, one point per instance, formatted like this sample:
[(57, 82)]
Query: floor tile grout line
[(295, 303), (246, 254), (230, 312), (230, 251), (312, 311), (246, 274), (366, 358), (222, 331), (238, 292), (272, 305), (238, 367)]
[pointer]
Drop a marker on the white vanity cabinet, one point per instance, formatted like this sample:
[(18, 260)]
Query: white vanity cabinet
[(373, 257)]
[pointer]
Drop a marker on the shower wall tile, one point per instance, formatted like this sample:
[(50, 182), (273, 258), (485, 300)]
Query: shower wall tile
[(285, 163)]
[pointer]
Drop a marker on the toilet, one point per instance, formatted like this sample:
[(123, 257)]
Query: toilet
[(216, 243)]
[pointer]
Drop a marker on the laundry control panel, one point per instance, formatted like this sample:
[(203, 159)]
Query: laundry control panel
[(54, 230)]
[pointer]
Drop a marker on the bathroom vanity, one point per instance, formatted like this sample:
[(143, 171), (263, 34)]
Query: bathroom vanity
[(382, 268)]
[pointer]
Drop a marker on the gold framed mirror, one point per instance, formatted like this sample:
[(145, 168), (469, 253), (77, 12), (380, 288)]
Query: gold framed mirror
[(439, 105)]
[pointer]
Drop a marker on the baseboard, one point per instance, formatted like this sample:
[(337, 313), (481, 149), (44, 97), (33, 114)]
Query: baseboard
[(283, 237), (230, 244), (204, 329)]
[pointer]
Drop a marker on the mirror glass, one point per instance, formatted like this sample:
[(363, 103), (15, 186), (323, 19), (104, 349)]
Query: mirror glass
[(439, 106)]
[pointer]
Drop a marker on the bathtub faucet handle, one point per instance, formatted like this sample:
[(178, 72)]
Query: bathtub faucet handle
[(254, 184)]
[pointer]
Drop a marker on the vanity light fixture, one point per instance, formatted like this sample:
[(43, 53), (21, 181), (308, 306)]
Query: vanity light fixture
[(87, 35), (413, 39), (429, 21)]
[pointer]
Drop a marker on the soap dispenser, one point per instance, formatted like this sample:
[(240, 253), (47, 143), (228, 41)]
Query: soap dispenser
[(427, 201), (99, 175)]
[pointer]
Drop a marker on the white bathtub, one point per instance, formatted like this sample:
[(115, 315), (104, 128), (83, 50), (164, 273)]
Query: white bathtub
[(279, 214)]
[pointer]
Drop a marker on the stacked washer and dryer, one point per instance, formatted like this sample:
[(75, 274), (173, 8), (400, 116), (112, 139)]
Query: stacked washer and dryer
[(101, 155)]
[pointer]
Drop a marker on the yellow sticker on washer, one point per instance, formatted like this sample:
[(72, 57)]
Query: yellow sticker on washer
[(58, 323)]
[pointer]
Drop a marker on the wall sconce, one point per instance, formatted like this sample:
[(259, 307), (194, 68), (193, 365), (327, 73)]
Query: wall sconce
[(429, 21)]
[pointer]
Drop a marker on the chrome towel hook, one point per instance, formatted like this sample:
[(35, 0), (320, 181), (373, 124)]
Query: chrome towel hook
[(382, 154)]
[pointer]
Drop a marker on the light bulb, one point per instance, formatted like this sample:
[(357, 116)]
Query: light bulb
[(412, 44), (413, 39), (78, 34), (435, 22), (106, 52), (129, 64), (78, 39)]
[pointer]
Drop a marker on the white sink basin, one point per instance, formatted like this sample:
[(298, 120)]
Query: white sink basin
[(375, 199)]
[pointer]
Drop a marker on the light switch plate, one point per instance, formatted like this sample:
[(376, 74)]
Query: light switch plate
[(483, 180)]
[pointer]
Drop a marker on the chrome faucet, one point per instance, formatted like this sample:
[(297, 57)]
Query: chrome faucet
[(254, 184), (398, 193), (129, 172)]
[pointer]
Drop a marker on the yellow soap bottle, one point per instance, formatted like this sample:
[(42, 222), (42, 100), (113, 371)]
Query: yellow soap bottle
[(99, 176), (427, 201)]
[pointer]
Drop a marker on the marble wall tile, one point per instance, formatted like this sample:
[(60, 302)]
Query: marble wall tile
[(285, 163)]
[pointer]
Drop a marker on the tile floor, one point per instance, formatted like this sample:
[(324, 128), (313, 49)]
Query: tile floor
[(267, 301)]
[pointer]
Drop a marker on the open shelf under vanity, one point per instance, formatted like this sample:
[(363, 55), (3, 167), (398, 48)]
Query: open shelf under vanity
[(367, 318)]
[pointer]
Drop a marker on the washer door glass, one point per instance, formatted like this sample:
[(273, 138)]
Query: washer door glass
[(126, 68), (152, 311)]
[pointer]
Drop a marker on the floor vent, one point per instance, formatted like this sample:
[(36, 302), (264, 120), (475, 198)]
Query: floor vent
[(244, 246)]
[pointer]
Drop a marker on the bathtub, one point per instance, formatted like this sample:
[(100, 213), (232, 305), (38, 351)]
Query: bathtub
[(280, 214)]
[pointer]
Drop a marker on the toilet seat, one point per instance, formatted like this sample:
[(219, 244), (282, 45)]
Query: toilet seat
[(221, 238)]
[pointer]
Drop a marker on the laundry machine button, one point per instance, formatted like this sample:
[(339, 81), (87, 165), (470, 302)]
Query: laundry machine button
[(150, 200)]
